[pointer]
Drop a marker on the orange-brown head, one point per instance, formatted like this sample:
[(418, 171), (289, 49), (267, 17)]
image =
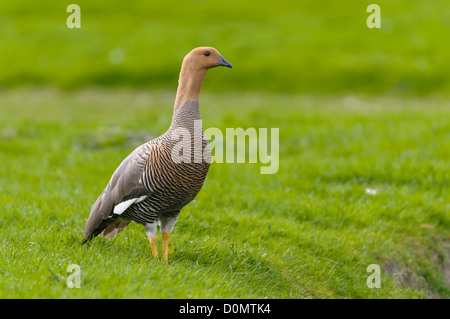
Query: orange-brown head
[(193, 70), (205, 58)]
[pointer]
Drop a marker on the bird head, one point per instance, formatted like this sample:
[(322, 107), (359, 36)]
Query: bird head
[(205, 58)]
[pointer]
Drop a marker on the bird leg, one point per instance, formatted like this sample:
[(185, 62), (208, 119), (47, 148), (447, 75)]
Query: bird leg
[(165, 247), (152, 241), (166, 223), (150, 230)]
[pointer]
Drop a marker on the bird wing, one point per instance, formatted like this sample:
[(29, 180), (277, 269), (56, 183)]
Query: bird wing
[(124, 189)]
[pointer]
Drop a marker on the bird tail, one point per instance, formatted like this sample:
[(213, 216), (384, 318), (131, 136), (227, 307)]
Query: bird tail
[(113, 229), (87, 238), (108, 231)]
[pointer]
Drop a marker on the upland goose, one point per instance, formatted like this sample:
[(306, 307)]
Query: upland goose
[(156, 180)]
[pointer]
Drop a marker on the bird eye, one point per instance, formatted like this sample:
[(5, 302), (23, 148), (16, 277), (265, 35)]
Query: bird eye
[(206, 53)]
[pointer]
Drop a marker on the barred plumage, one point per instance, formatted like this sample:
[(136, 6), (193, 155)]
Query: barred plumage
[(156, 181)]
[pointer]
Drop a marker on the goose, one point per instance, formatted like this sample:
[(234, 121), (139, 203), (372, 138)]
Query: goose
[(152, 184)]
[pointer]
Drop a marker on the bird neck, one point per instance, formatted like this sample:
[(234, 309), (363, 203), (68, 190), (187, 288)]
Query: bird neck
[(186, 116), (189, 85)]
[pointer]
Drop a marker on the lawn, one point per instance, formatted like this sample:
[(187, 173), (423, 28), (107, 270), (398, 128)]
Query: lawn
[(362, 180), (364, 147), (287, 46)]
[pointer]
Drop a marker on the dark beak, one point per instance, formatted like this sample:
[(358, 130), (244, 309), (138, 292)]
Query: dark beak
[(224, 62)]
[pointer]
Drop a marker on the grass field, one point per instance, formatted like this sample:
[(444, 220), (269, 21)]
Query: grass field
[(364, 123), (288, 46), (310, 230)]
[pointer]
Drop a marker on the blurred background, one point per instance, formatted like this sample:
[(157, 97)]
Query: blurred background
[(364, 120), (287, 46)]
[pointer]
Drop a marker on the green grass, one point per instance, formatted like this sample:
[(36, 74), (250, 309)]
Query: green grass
[(310, 230), (357, 108), (286, 46)]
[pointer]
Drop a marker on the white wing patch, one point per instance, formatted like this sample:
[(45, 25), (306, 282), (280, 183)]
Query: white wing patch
[(121, 207)]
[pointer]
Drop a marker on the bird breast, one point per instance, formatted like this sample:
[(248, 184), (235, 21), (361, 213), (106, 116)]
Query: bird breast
[(167, 177)]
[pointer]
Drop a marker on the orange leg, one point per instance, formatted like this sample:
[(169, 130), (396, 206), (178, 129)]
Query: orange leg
[(152, 241), (165, 238)]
